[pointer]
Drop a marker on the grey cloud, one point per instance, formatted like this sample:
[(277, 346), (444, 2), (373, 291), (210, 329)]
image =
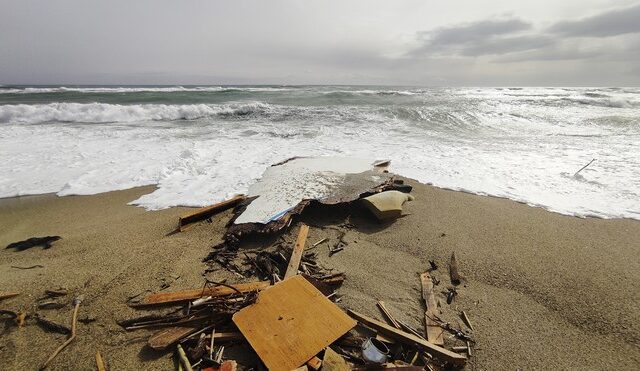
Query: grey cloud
[(474, 31), (611, 23)]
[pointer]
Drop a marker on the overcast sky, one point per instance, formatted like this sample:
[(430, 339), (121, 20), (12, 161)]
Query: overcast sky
[(450, 43)]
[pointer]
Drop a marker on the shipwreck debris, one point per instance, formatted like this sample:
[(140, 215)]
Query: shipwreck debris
[(187, 220), (388, 204), (296, 311), (453, 270), (74, 322), (433, 331)]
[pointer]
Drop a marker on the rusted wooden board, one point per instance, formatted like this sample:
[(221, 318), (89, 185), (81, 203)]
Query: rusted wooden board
[(296, 255), (407, 338), (206, 212), (433, 331), (290, 323), (165, 338), (178, 296)]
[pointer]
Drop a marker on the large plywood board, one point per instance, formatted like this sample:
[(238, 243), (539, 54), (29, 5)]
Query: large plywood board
[(290, 323)]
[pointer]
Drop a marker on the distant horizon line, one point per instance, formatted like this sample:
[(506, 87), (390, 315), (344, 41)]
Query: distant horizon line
[(62, 85)]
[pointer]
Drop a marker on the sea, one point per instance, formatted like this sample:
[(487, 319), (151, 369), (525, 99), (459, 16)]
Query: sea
[(202, 144)]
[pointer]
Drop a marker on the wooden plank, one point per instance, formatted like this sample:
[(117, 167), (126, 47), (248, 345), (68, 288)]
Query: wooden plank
[(407, 338), (100, 362), (163, 339), (179, 296), (206, 212), (433, 330), (296, 255), (290, 323), (387, 314)]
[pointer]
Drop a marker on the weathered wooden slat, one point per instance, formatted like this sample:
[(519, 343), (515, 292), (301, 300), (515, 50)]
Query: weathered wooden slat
[(163, 339), (387, 314), (179, 296), (407, 338), (296, 255), (206, 212), (433, 331)]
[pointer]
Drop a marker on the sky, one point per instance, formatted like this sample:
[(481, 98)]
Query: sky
[(392, 42)]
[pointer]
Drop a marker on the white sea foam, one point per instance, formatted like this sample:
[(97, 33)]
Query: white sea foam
[(155, 89), (509, 143)]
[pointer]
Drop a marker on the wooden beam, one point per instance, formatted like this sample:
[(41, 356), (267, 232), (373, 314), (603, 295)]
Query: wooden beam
[(205, 212), (179, 296), (296, 255), (433, 330), (407, 338), (387, 314)]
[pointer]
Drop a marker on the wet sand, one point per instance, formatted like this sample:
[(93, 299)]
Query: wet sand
[(543, 290)]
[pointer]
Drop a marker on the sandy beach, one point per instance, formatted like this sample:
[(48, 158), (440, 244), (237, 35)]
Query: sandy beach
[(544, 290)]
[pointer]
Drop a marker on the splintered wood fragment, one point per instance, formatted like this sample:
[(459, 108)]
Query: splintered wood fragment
[(183, 359), (466, 320), (433, 330), (7, 295), (387, 314), (206, 212), (163, 339), (220, 337), (319, 242), (407, 338), (296, 255), (100, 362), (314, 363), (179, 296), (453, 270)]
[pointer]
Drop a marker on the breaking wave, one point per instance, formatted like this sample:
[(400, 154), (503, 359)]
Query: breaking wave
[(106, 113)]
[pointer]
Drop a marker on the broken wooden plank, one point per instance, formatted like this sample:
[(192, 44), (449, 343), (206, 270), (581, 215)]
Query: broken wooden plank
[(407, 338), (220, 337), (453, 270), (290, 323), (296, 255), (466, 319), (206, 212), (314, 363), (387, 314), (179, 296), (163, 339), (433, 330)]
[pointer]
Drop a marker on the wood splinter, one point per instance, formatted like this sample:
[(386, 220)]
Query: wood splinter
[(74, 321)]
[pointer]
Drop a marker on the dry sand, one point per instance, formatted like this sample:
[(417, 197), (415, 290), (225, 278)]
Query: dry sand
[(544, 291)]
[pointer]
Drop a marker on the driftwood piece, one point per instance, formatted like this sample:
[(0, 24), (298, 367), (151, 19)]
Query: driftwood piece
[(100, 362), (74, 322), (453, 270), (407, 338), (433, 330), (183, 359), (206, 212), (163, 339), (466, 319), (180, 296), (387, 314), (296, 255)]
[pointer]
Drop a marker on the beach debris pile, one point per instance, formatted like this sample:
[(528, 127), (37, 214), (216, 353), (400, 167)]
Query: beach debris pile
[(287, 316), (286, 313)]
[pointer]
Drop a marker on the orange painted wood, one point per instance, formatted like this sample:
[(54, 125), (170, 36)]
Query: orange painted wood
[(290, 323)]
